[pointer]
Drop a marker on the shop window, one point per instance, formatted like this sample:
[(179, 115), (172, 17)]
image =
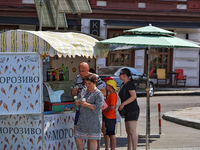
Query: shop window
[(159, 59), (120, 58)]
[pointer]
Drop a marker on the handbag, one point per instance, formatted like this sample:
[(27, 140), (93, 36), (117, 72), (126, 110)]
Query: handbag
[(105, 105), (123, 111)]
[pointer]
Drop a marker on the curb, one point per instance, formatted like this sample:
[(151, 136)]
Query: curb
[(171, 116), (172, 93)]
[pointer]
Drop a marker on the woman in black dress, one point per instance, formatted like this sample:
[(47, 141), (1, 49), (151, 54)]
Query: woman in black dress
[(132, 110)]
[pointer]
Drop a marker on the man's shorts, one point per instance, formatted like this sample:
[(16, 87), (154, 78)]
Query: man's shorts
[(109, 125), (132, 116), (76, 117)]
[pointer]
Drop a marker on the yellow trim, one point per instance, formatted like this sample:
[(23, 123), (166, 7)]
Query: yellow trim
[(14, 41), (3, 42), (24, 41)]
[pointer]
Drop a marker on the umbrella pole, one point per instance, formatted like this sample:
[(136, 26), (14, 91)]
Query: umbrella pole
[(148, 103)]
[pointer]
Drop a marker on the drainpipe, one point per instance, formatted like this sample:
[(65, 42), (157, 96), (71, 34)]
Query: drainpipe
[(41, 11), (57, 13)]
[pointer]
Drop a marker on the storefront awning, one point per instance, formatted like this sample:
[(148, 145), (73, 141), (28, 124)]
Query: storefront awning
[(155, 23), (65, 6), (52, 43)]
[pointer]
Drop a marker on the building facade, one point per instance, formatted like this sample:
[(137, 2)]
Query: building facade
[(180, 16), (110, 17)]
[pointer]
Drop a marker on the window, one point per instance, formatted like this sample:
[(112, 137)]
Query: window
[(121, 58), (159, 59)]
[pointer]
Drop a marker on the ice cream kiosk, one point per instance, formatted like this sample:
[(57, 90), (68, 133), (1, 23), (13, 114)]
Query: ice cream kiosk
[(37, 110)]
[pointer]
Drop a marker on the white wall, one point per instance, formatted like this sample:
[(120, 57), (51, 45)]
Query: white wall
[(139, 60), (86, 29), (188, 58)]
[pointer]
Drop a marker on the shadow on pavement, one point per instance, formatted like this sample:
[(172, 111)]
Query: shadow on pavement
[(122, 142)]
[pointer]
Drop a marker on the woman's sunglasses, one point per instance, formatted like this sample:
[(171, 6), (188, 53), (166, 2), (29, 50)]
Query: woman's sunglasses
[(121, 74)]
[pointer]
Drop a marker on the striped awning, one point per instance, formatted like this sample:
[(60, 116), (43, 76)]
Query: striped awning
[(52, 43)]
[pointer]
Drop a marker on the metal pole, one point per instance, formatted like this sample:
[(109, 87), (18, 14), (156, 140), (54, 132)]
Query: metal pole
[(159, 118), (41, 12), (148, 104), (57, 13)]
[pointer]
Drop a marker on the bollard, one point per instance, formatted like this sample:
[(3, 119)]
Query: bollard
[(159, 118)]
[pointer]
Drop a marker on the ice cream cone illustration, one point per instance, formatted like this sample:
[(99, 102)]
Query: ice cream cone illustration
[(13, 101), (5, 146), (0, 71), (57, 121), (15, 90), (31, 140), (68, 142), (33, 68), (39, 139), (32, 123), (20, 66), (53, 125), (17, 61), (24, 69), (36, 101), (18, 146), (22, 59), (24, 122), (13, 69), (10, 86), (15, 140), (7, 59), (20, 118), (28, 66), (59, 146), (11, 147), (18, 106), (64, 146), (39, 148), (68, 119), (65, 121), (6, 68), (40, 121), (29, 89), (16, 123), (49, 146), (73, 119), (31, 105), (24, 147), (5, 106), (37, 87), (12, 137), (24, 116), (20, 86), (1, 101), (6, 140), (25, 96), (3, 90), (8, 123), (54, 148), (22, 137), (72, 145)]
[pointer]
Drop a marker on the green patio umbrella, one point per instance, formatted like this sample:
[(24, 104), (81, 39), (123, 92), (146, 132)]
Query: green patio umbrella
[(148, 37)]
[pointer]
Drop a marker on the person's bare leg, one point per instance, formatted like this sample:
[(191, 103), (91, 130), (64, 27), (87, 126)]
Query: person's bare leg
[(79, 143), (74, 128), (88, 145), (98, 144), (92, 144), (112, 142), (129, 139), (132, 133), (106, 137)]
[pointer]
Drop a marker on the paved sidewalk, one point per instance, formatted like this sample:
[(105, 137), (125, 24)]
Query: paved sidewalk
[(188, 117)]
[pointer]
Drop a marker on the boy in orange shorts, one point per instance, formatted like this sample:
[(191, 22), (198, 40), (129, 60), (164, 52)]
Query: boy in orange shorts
[(109, 115)]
